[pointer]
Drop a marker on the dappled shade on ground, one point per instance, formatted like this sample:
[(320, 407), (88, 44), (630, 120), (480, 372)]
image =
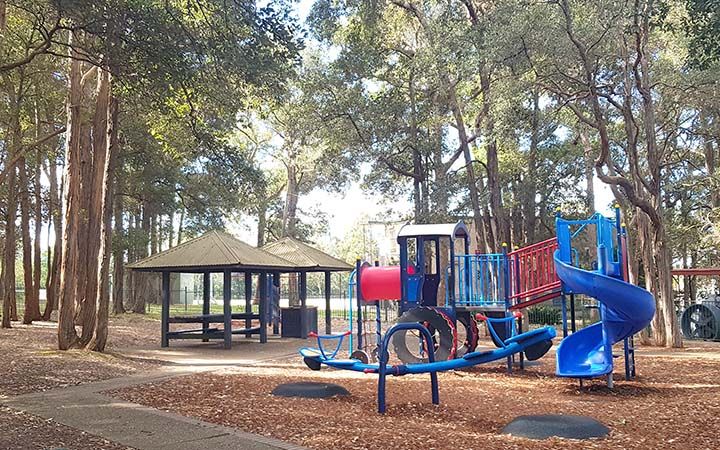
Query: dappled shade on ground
[(669, 406), (31, 362)]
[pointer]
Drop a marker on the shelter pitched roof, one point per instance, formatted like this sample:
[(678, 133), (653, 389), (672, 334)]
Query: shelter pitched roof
[(304, 256), (213, 250)]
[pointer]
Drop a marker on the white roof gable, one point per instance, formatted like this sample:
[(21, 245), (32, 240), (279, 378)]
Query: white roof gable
[(436, 229)]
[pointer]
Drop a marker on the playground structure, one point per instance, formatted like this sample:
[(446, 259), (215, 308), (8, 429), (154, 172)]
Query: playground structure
[(492, 288)]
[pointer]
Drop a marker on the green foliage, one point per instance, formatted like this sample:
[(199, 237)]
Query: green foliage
[(544, 315), (702, 26)]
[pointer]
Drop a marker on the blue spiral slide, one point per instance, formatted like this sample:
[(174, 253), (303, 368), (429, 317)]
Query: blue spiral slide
[(625, 310)]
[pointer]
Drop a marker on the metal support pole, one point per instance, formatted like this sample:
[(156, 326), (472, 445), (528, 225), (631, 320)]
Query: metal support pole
[(626, 354), (572, 312), (227, 309), (358, 298), (165, 313), (328, 311), (506, 295), (563, 304)]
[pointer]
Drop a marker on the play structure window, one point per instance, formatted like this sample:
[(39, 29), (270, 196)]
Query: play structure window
[(412, 251), (430, 250)]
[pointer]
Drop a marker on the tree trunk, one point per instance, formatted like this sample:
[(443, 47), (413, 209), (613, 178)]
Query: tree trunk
[(67, 335), (467, 155), (262, 223), (291, 199), (416, 156), (37, 226), (142, 281), (529, 183), (8, 266), (95, 191), (55, 214), (118, 256), (500, 222), (32, 305), (643, 185), (103, 282), (154, 220)]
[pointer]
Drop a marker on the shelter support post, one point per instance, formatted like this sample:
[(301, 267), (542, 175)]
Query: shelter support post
[(263, 304), (206, 303), (303, 304), (275, 298), (165, 315), (248, 301), (227, 309)]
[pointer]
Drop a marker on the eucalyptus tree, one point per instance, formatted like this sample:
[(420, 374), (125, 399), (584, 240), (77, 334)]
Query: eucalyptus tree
[(619, 67)]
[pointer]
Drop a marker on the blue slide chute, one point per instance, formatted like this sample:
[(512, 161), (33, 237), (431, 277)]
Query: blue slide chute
[(625, 310)]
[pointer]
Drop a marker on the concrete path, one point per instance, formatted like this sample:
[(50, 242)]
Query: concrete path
[(85, 407), (244, 353)]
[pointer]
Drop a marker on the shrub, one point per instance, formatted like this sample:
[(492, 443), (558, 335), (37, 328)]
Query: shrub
[(544, 315)]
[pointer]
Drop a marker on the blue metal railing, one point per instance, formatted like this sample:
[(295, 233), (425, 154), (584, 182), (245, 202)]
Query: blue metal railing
[(481, 279)]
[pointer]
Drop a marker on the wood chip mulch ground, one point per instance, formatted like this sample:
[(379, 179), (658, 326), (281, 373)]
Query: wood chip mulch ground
[(675, 403), (30, 362)]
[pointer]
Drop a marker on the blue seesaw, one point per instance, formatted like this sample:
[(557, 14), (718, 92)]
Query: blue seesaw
[(533, 344)]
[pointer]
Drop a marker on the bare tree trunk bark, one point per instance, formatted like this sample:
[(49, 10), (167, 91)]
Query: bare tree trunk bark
[(67, 335), (291, 199), (8, 266), (500, 222), (529, 184), (118, 257), (95, 199), (52, 285), (417, 173), (154, 220), (142, 282), (32, 305), (181, 222), (171, 229), (103, 293), (37, 226), (262, 223)]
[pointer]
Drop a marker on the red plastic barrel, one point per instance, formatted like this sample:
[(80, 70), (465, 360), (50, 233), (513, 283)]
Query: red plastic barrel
[(380, 283)]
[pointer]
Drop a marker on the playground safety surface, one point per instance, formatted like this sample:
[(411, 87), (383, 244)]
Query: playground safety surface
[(673, 404)]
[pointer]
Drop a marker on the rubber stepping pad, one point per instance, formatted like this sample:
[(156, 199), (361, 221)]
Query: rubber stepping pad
[(307, 389), (546, 426)]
